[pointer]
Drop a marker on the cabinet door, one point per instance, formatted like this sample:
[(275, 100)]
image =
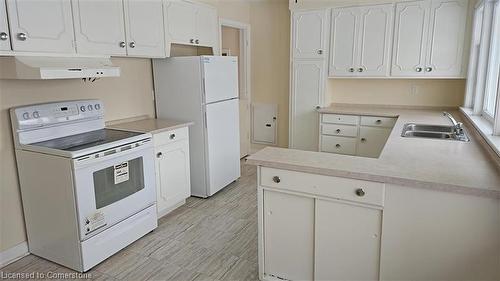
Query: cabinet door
[(172, 175), (410, 38), (288, 236), (99, 27), (144, 28), (347, 242), (309, 34), (372, 140), (206, 26), (180, 22), (446, 38), (375, 39), (307, 93), (4, 28), (344, 42), (41, 26)]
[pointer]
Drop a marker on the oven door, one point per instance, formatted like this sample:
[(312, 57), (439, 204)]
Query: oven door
[(113, 185)]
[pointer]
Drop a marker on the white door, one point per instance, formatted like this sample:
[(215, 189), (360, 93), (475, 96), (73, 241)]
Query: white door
[(347, 242), (446, 38), (344, 42), (307, 93), (206, 26), (223, 138), (372, 140), (288, 236), (309, 34), (4, 28), (172, 175), (375, 39), (220, 75), (410, 38), (144, 28), (180, 22), (99, 27), (41, 26)]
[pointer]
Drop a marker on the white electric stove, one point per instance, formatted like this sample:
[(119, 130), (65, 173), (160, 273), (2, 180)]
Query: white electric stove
[(87, 191)]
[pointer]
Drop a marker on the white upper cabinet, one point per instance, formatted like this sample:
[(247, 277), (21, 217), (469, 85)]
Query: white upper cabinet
[(361, 41), (99, 27), (190, 23), (41, 26), (4, 28), (309, 34), (144, 28), (446, 38), (429, 38)]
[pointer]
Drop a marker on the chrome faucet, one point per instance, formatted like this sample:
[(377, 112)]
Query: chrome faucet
[(457, 126)]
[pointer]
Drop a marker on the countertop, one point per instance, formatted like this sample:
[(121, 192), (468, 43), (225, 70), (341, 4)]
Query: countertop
[(463, 167), (149, 125)]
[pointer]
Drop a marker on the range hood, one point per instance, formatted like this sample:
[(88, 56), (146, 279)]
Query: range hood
[(34, 67)]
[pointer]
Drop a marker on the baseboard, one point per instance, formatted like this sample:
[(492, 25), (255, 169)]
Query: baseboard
[(13, 254)]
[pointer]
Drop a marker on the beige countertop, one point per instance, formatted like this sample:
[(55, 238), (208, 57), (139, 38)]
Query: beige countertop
[(464, 167), (148, 125)]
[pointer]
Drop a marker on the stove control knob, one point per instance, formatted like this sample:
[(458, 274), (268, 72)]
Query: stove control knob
[(89, 107), (82, 108), (97, 106), (36, 114), (26, 116)]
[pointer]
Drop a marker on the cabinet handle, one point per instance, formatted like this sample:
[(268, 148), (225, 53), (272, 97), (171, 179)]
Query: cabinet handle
[(122, 44), (276, 179), (428, 69), (378, 121), (4, 36), (360, 192), (22, 36), (361, 69), (337, 145), (351, 69), (317, 107), (172, 136), (191, 41), (132, 44), (418, 69), (159, 154), (338, 131), (320, 52), (197, 41), (363, 140)]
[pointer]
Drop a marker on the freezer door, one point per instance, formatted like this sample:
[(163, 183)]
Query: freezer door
[(220, 76), (223, 137)]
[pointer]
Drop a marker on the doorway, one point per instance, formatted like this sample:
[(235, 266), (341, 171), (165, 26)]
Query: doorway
[(235, 41)]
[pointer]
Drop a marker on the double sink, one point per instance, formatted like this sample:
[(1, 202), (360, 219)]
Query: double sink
[(452, 132)]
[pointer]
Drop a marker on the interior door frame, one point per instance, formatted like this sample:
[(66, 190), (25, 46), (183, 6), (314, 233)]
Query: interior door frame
[(245, 66)]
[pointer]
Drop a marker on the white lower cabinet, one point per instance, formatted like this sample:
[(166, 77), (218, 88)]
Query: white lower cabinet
[(289, 236), (347, 241), (173, 183), (372, 141)]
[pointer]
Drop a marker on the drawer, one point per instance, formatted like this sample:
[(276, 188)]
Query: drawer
[(359, 191), (340, 145), (167, 137), (340, 119), (339, 130), (387, 122)]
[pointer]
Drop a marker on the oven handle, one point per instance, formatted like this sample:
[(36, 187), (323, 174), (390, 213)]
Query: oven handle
[(112, 153)]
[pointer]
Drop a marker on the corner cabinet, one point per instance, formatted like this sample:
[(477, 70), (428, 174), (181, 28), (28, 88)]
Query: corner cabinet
[(40, 26), (4, 28), (429, 39), (309, 34), (173, 184), (361, 41)]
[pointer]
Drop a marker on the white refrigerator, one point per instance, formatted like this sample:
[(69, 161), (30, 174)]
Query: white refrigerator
[(203, 89)]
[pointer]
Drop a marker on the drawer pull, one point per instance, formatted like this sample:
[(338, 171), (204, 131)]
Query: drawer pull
[(363, 139), (378, 121), (338, 131), (159, 154), (337, 145), (172, 136), (360, 192), (276, 179)]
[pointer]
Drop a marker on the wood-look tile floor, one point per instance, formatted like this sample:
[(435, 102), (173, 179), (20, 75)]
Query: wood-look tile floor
[(205, 239)]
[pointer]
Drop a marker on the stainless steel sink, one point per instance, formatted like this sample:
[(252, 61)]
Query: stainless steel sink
[(413, 130)]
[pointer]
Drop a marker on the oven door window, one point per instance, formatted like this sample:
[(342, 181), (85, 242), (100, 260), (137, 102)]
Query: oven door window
[(117, 182)]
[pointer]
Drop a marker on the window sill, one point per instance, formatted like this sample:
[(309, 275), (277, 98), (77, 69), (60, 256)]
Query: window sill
[(484, 128)]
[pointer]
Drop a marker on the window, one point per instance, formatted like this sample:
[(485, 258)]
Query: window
[(491, 89)]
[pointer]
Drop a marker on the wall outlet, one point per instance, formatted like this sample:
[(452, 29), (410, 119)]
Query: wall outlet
[(413, 90)]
